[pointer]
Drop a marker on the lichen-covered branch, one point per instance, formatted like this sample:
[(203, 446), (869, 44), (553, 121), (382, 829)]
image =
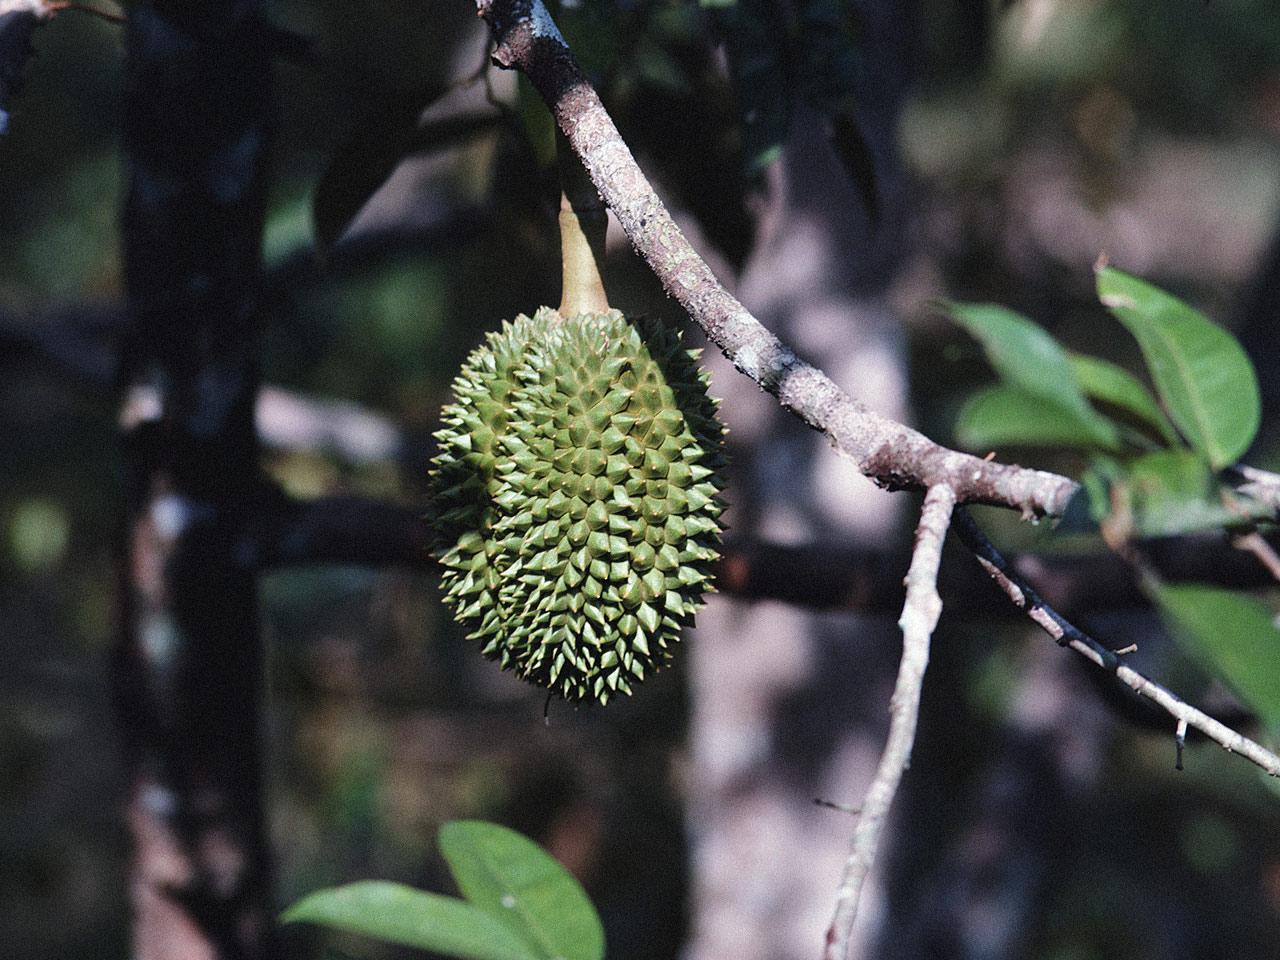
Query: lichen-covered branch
[(1053, 623), (892, 454), (920, 614)]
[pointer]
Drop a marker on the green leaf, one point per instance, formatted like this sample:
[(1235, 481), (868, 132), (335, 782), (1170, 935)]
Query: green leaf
[(382, 135), (1104, 381), (1201, 373), (1001, 415), (755, 38), (412, 918), (1173, 492), (512, 878), (1233, 635), (1024, 355)]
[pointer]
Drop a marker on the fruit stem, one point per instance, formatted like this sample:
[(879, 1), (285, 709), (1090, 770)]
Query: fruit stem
[(583, 225)]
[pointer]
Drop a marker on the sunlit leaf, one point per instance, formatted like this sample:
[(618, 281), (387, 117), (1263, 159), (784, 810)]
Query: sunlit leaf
[(1026, 357), (512, 878), (1002, 415), (1200, 371), (1108, 383), (1233, 635), (412, 918)]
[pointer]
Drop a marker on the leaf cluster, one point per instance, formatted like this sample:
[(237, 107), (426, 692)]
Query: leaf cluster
[(1156, 461), (517, 903)]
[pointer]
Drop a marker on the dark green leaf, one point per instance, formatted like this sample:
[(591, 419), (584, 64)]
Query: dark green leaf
[(859, 162), (1104, 381), (755, 37), (1001, 415), (1025, 356), (412, 918), (511, 877), (1233, 635), (378, 141), (1201, 373), (1173, 492), (1090, 504)]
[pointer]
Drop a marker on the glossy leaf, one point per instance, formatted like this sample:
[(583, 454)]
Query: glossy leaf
[(412, 918), (1001, 415), (513, 879), (1025, 356), (1233, 635), (1108, 383), (1201, 373)]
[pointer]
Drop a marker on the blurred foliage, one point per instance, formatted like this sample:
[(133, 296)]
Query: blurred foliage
[(384, 723)]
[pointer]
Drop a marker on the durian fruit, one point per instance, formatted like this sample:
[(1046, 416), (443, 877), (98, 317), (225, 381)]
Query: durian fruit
[(576, 498)]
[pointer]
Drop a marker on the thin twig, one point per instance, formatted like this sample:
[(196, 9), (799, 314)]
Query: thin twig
[(1257, 545), (1054, 624), (920, 614), (1261, 485), (894, 455)]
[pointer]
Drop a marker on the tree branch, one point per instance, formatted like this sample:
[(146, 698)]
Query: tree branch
[(893, 455), (351, 530), (1025, 597), (920, 614)]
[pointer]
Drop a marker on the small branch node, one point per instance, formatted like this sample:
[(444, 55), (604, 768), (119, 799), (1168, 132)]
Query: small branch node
[(1180, 742), (842, 807), (1125, 651)]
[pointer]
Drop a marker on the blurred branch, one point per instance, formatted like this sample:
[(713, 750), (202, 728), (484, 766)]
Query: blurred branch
[(1258, 484), (920, 613), (292, 422), (1025, 598), (1254, 543), (350, 530), (432, 234), (893, 455)]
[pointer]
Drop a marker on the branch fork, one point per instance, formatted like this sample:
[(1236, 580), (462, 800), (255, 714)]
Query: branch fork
[(892, 454)]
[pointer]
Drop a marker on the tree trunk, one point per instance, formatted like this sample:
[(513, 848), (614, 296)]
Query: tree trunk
[(189, 664)]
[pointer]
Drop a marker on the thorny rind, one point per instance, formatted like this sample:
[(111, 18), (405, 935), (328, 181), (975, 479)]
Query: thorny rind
[(890, 453)]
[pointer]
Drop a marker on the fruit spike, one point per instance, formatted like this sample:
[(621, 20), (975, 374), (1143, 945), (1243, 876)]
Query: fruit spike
[(576, 497)]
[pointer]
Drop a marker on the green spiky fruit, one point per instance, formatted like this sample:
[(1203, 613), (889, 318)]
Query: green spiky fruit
[(576, 498)]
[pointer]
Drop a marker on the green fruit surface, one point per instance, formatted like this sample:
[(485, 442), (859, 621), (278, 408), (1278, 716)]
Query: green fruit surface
[(576, 497)]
